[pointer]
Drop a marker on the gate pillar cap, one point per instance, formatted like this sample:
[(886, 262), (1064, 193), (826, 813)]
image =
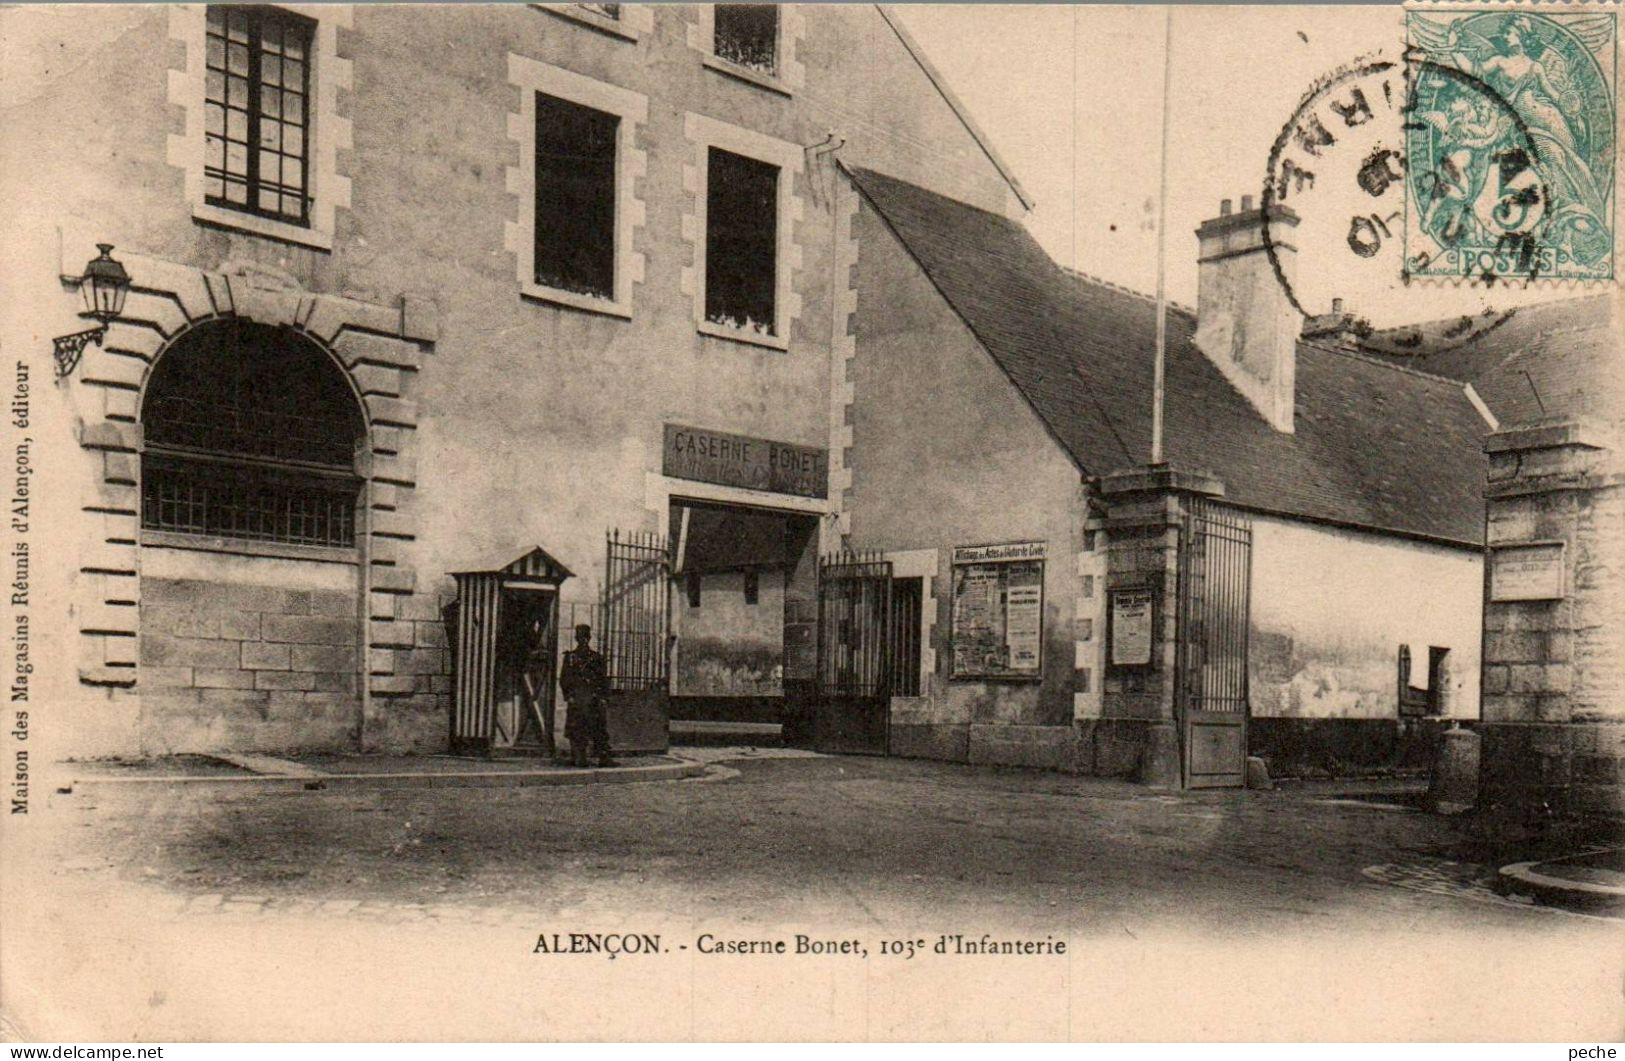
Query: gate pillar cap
[(1160, 479), (1550, 434)]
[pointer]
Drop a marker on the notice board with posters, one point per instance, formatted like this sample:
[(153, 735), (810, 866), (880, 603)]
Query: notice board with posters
[(998, 611)]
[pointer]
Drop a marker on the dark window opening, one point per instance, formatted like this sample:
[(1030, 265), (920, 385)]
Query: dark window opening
[(741, 243), (257, 111), (691, 583), (250, 433), (607, 10), (575, 197), (753, 587), (748, 34), (1426, 699), (906, 595)]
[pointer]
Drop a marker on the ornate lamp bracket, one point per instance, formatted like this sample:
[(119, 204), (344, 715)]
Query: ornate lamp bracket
[(68, 349)]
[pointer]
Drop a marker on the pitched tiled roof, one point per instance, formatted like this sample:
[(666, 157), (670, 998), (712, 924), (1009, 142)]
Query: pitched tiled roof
[(1374, 445), (1554, 359)]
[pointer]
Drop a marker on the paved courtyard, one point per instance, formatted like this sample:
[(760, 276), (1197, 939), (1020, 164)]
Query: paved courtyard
[(407, 913)]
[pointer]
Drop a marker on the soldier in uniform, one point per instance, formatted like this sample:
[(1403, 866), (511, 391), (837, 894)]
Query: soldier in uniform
[(585, 681)]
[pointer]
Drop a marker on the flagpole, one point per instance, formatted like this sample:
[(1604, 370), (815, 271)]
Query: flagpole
[(1158, 384)]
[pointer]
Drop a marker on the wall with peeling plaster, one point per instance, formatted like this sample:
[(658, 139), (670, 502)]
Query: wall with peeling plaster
[(1330, 608)]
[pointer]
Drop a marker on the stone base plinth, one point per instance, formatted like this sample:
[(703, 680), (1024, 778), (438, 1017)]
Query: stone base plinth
[(1561, 771)]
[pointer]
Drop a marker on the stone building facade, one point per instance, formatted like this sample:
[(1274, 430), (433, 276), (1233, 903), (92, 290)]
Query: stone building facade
[(348, 220)]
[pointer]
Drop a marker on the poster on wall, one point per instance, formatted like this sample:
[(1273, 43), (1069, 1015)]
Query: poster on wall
[(1131, 628), (998, 610)]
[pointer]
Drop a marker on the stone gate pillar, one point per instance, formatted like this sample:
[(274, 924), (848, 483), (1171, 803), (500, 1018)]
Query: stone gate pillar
[(1553, 718), (1137, 733)]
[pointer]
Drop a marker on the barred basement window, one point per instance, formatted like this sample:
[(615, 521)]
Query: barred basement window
[(257, 112), (242, 501), (575, 197), (741, 242), (747, 34), (250, 433)]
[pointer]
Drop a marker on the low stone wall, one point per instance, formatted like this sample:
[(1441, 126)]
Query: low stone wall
[(1042, 747), (947, 741), (1345, 747)]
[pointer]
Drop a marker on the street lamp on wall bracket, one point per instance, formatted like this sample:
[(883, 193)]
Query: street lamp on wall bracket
[(104, 286)]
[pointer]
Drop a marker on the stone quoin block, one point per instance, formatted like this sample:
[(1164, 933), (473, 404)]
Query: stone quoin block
[(420, 318), (383, 605), (392, 524), (110, 435), (399, 468), (391, 685), (358, 346), (383, 633), (109, 619), (98, 495), (423, 607), (385, 551), (393, 579)]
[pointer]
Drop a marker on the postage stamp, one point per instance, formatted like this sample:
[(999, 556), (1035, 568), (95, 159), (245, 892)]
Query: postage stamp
[(1510, 144)]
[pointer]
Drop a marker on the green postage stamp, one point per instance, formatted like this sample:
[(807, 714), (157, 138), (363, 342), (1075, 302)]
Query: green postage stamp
[(1510, 143)]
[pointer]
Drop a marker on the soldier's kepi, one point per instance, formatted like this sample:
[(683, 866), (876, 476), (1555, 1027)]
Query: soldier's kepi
[(584, 680)]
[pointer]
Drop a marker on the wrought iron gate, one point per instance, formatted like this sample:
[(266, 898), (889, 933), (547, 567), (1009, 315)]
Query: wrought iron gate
[(854, 654), (1215, 580), (637, 598)]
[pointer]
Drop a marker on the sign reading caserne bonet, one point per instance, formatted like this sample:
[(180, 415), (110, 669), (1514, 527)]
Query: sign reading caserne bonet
[(737, 460)]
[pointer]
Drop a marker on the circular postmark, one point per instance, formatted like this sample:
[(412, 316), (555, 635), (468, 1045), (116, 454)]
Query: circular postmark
[(1343, 180), (1441, 182)]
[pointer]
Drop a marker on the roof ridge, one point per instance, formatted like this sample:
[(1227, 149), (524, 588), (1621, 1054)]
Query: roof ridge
[(1511, 311), (962, 112), (1103, 282), (1373, 359)]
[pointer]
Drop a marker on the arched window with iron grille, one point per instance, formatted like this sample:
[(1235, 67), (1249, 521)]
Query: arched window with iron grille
[(250, 433)]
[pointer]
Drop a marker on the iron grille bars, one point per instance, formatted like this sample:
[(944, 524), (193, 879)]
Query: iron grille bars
[(854, 624), (239, 500), (637, 592), (1214, 572)]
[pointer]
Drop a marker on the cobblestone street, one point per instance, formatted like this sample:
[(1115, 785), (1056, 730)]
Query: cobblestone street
[(181, 900)]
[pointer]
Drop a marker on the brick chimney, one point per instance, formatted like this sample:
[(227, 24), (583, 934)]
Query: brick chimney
[(1244, 322)]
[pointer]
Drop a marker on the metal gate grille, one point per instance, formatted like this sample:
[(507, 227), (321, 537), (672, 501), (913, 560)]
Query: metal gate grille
[(1215, 578), (636, 608), (637, 590), (854, 652)]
